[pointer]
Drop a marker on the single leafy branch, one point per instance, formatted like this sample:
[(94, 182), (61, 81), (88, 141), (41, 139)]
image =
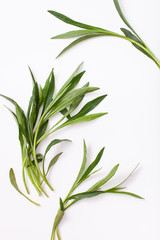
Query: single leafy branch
[(87, 31), (93, 191)]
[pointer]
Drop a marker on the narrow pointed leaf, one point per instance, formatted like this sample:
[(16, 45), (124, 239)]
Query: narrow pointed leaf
[(92, 165), (42, 130), (69, 82), (89, 107), (69, 98), (73, 106), (13, 179), (20, 116), (29, 107), (126, 193), (33, 79), (53, 143), (19, 128), (50, 92), (8, 98), (46, 88), (61, 204), (105, 179), (86, 118), (22, 121), (128, 176), (53, 161), (35, 106), (83, 195), (83, 165), (76, 33), (14, 184), (133, 37), (75, 81), (71, 22), (63, 90), (81, 39), (116, 3)]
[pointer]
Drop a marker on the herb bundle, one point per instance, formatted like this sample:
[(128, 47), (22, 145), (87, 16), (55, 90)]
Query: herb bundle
[(95, 190), (87, 31), (34, 126)]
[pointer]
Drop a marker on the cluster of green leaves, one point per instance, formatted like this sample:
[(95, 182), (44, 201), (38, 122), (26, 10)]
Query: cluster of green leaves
[(34, 125), (94, 190), (87, 31)]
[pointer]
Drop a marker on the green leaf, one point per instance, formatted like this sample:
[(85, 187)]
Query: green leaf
[(121, 14), (46, 88), (34, 107), (75, 33), (105, 179), (126, 193), (29, 107), (53, 161), (86, 118), (133, 37), (75, 81), (63, 90), (81, 171), (92, 165), (8, 98), (69, 98), (14, 184), (128, 176), (74, 105), (89, 107), (33, 79), (19, 128), (83, 195), (13, 179), (19, 115), (78, 41), (70, 83), (129, 34), (72, 22), (53, 143), (42, 130), (49, 94), (61, 204), (22, 121)]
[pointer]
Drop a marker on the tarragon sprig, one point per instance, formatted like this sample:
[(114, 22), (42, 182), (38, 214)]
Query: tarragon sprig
[(34, 125), (87, 31), (94, 190)]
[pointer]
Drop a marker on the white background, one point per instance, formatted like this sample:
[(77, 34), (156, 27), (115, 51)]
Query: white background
[(130, 132)]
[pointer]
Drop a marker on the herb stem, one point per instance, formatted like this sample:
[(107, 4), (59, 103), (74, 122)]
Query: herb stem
[(34, 156), (57, 220), (23, 176)]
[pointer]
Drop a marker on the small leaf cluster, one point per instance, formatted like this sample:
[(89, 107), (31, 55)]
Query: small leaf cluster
[(94, 190), (87, 31), (34, 125)]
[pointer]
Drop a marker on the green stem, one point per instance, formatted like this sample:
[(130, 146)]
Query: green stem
[(30, 174), (23, 175), (57, 220), (145, 48), (35, 158), (58, 234)]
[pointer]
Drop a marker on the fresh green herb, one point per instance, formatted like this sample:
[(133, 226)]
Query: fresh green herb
[(87, 31), (34, 125), (95, 190)]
